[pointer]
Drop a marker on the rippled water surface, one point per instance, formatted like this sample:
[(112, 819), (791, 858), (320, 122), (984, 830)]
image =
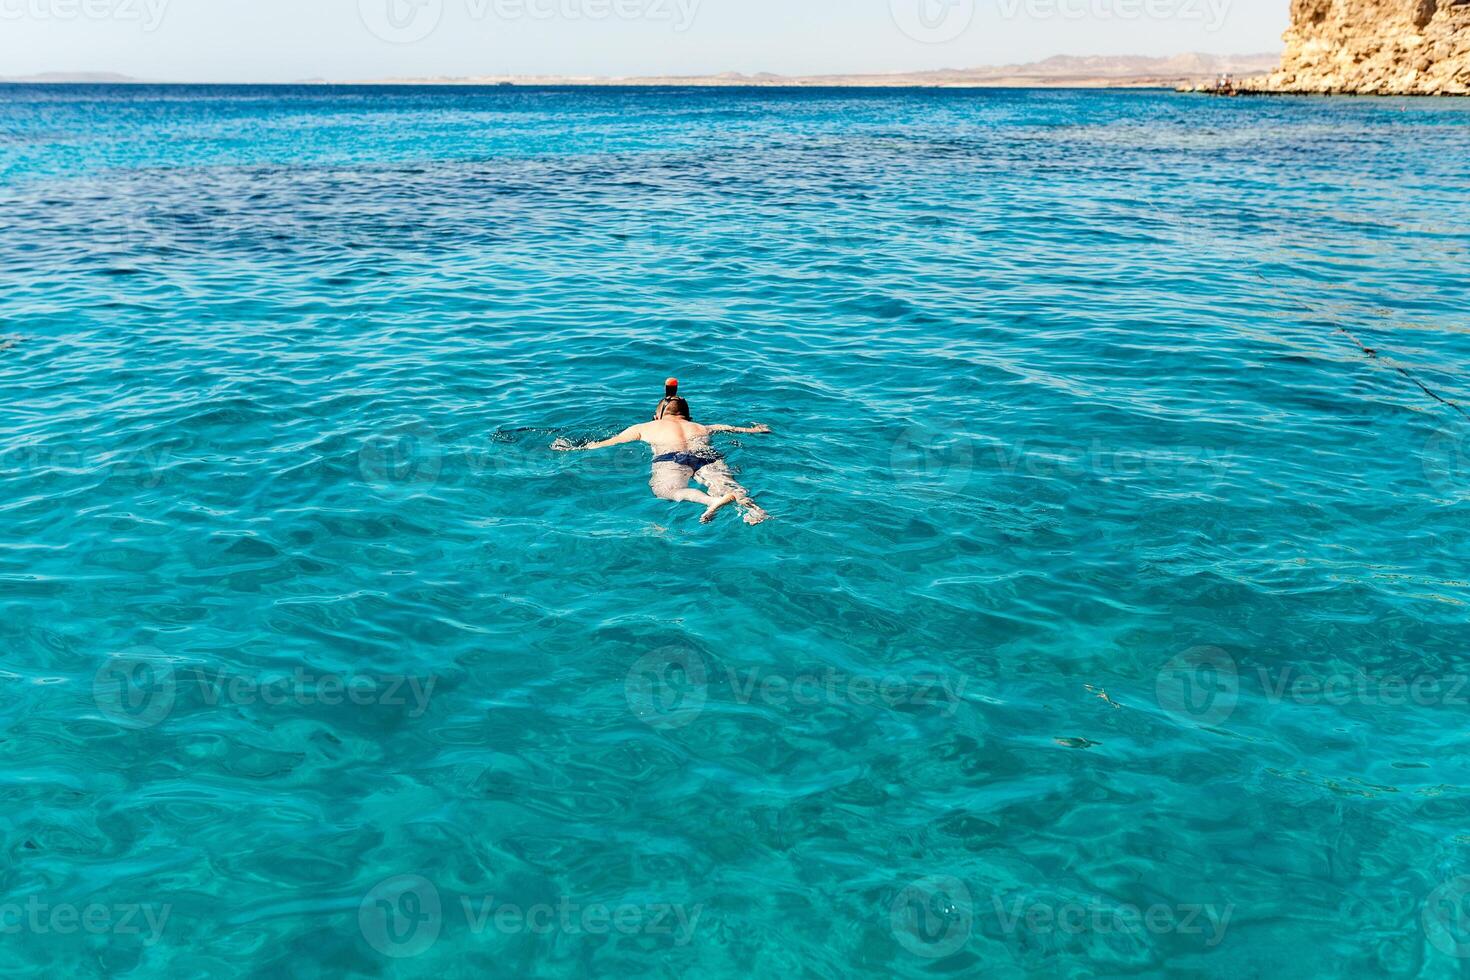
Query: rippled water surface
[(1112, 620)]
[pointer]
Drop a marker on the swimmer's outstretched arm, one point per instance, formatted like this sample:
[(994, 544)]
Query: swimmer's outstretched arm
[(631, 434), (753, 430)]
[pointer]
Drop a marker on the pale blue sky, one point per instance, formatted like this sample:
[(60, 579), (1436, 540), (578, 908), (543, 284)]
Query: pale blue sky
[(286, 40)]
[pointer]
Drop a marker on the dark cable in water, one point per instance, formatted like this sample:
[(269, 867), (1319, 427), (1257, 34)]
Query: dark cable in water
[(1372, 352)]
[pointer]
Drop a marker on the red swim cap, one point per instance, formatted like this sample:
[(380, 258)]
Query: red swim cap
[(671, 383)]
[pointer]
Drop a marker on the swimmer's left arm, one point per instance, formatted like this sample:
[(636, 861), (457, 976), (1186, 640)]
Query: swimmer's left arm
[(631, 434), (753, 430)]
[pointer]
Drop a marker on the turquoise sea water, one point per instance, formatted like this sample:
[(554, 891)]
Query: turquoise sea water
[(1112, 622)]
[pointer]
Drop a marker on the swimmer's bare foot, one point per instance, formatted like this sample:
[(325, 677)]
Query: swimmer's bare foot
[(718, 506), (753, 513)]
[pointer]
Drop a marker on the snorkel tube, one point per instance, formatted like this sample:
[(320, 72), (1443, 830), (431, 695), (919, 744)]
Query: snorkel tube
[(671, 395)]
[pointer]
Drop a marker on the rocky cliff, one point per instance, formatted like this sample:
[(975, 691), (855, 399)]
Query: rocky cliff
[(1375, 47)]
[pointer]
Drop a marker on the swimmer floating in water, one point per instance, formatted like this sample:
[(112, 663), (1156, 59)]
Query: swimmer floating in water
[(682, 452)]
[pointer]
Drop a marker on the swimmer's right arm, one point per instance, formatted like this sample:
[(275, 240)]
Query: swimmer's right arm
[(632, 434)]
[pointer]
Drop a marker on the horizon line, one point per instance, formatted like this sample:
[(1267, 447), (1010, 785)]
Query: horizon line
[(948, 77)]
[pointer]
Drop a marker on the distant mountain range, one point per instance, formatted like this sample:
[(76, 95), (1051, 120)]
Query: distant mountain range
[(93, 77), (1061, 71)]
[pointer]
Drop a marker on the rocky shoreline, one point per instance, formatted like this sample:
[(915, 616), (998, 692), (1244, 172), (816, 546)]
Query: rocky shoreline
[(1369, 47)]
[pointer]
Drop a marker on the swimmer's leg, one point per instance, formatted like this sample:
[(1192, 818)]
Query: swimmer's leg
[(718, 479), (718, 506), (671, 482)]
